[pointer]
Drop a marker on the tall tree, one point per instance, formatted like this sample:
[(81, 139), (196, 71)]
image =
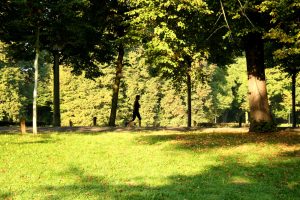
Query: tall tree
[(36, 75), (285, 32), (67, 32), (122, 39), (22, 29), (246, 26)]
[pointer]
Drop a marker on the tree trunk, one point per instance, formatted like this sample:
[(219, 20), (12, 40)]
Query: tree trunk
[(23, 125), (56, 95), (189, 99), (258, 99), (189, 93), (294, 118), (246, 118), (36, 74), (116, 87), (225, 116)]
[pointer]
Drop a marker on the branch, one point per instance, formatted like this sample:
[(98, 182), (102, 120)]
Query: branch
[(223, 11), (242, 9), (217, 20), (215, 32)]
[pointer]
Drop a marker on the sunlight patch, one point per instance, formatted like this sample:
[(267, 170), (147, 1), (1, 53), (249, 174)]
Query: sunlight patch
[(292, 185), (238, 180)]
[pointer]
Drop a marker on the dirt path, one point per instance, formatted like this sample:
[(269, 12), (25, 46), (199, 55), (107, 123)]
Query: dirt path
[(88, 129)]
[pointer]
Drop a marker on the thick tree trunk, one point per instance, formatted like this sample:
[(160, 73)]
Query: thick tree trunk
[(56, 90), (294, 118), (36, 75), (116, 87), (258, 99)]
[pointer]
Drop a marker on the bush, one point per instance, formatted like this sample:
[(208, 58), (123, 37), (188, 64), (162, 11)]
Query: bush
[(7, 123)]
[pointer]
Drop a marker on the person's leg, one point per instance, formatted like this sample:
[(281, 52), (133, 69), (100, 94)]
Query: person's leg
[(140, 119), (134, 115), (131, 122)]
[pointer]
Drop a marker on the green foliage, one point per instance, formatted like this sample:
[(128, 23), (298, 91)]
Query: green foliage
[(285, 32), (279, 90), (221, 99), (216, 92), (238, 83), (174, 34), (69, 27), (157, 95), (3, 56), (173, 109), (82, 99), (92, 98), (12, 80), (239, 18), (12, 99)]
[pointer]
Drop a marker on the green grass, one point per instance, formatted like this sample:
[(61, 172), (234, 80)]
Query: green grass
[(150, 165)]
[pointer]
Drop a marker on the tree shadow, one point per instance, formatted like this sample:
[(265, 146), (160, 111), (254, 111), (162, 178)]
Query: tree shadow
[(231, 180), (47, 141), (294, 153), (100, 130), (38, 139), (216, 140), (6, 195), (103, 130)]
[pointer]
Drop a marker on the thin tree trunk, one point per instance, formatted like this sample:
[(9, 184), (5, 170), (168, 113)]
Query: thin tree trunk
[(240, 119), (294, 118), (246, 118), (189, 97), (56, 90), (258, 99), (225, 117), (116, 87), (36, 73)]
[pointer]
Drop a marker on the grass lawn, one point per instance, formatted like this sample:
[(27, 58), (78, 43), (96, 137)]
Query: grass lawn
[(150, 165)]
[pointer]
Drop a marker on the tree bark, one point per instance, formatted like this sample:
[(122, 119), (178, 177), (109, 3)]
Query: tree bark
[(116, 87), (23, 125), (258, 99), (189, 93), (36, 75), (56, 90), (294, 118)]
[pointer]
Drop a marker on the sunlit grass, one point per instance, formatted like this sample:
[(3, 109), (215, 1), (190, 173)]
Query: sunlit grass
[(150, 165)]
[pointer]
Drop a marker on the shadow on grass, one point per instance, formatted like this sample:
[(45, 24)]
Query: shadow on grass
[(47, 141), (6, 195), (100, 130), (229, 181), (295, 153), (31, 139), (216, 140)]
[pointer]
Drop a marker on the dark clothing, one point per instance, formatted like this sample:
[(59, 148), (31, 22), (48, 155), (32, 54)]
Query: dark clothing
[(136, 106), (136, 112)]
